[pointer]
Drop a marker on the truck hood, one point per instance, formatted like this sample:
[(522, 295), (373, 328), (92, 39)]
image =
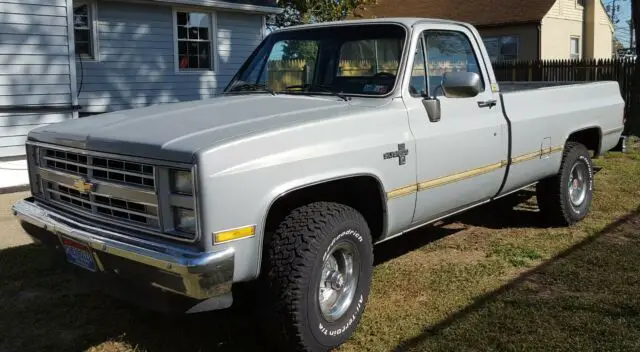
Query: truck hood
[(175, 132)]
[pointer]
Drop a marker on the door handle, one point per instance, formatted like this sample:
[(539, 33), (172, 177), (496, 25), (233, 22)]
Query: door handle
[(487, 103)]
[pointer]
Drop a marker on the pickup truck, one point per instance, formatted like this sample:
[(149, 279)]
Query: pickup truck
[(287, 180)]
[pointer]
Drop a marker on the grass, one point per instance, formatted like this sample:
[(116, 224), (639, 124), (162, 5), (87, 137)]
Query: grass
[(494, 278)]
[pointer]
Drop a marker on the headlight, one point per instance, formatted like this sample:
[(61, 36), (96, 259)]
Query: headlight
[(185, 220), (181, 182)]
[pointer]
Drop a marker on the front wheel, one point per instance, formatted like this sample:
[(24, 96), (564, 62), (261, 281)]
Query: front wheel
[(320, 261), (566, 197)]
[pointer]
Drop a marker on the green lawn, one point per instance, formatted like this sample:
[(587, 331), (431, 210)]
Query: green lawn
[(491, 279)]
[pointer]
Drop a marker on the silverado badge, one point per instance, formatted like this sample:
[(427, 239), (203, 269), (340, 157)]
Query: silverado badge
[(401, 154), (82, 186)]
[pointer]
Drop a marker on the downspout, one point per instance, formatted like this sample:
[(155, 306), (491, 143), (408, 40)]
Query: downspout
[(540, 40), (585, 31)]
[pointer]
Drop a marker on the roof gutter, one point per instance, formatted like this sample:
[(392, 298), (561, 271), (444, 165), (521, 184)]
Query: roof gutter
[(504, 24), (272, 10)]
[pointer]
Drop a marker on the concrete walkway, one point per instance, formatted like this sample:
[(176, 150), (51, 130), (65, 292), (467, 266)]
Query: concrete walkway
[(11, 233)]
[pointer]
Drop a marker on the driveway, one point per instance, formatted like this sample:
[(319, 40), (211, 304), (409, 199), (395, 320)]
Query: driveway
[(11, 234)]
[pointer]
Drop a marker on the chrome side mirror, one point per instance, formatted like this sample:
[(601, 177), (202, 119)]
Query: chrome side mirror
[(461, 84)]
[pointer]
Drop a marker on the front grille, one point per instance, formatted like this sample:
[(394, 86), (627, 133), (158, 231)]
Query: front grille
[(120, 209), (106, 169)]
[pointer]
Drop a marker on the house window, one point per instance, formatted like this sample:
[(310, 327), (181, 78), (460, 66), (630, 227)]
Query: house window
[(575, 48), (502, 48), (84, 29), (194, 33)]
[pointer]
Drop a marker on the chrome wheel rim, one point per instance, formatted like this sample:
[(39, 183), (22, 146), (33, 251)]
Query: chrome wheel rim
[(339, 280), (578, 184)]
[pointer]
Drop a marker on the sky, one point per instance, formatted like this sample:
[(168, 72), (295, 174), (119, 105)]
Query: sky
[(622, 28)]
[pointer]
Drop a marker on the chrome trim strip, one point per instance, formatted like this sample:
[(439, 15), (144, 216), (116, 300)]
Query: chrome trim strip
[(196, 202), (403, 191), (91, 166), (181, 201), (613, 130), (461, 176), (204, 274)]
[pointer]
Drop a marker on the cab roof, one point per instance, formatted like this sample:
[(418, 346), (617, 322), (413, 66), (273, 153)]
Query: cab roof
[(404, 21)]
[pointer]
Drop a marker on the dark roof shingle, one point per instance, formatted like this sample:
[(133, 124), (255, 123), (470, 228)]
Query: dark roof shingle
[(476, 12)]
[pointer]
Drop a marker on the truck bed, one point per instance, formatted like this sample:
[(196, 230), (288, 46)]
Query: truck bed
[(507, 87)]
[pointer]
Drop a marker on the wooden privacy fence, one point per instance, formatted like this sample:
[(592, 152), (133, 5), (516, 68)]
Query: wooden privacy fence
[(283, 73), (585, 70)]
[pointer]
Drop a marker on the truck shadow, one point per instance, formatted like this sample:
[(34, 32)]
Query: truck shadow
[(44, 307)]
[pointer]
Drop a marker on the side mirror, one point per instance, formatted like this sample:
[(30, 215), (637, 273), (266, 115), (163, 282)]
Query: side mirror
[(461, 84), (432, 105)]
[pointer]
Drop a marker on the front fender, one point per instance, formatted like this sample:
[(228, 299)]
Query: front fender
[(240, 180)]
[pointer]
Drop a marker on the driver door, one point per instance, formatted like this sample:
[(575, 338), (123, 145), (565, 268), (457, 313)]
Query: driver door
[(461, 157)]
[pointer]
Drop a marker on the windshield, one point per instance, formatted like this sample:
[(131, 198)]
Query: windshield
[(341, 60)]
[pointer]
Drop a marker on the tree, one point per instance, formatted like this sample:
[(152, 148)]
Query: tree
[(634, 125), (310, 11)]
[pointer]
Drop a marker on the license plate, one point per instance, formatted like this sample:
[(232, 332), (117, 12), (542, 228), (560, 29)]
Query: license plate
[(78, 254)]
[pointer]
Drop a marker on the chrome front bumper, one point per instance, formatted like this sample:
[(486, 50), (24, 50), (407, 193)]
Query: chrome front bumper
[(200, 276)]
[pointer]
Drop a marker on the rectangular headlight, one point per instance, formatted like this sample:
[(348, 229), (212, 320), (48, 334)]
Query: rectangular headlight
[(181, 182), (184, 220)]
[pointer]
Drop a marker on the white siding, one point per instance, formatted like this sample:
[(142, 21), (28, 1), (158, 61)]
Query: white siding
[(35, 67), (136, 67), (567, 9)]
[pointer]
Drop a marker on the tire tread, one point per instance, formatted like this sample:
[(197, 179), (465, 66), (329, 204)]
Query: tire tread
[(550, 197), (291, 252)]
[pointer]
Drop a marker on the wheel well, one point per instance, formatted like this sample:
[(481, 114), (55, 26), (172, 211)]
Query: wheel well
[(590, 138), (363, 193)]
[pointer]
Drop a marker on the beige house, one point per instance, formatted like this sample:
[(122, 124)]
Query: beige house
[(520, 29)]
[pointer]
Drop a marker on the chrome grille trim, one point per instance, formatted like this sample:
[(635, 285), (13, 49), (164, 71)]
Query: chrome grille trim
[(132, 193), (102, 168), (137, 195), (128, 211)]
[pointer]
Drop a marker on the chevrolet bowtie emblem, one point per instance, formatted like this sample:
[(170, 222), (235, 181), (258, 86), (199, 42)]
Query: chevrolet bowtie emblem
[(82, 186)]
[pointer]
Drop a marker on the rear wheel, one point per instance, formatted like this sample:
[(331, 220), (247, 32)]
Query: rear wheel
[(565, 198), (319, 266)]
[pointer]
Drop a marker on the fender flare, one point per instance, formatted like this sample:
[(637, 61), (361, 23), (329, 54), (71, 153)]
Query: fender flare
[(286, 189)]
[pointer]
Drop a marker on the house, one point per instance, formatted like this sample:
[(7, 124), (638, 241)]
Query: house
[(519, 29), (64, 59)]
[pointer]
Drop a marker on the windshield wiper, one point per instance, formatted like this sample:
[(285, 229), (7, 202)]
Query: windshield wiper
[(319, 86), (250, 88)]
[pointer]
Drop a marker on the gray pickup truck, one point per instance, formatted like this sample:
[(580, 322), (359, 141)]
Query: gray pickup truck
[(288, 180)]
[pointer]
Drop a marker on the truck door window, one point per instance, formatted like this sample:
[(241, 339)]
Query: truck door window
[(418, 83), (448, 51)]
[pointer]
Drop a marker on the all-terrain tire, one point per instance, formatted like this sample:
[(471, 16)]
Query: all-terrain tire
[(553, 196), (295, 256)]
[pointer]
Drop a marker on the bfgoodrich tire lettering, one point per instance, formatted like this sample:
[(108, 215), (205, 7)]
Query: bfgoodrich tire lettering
[(557, 197), (296, 256)]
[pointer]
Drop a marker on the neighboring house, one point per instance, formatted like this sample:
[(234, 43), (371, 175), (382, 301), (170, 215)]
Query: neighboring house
[(61, 59), (520, 29)]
